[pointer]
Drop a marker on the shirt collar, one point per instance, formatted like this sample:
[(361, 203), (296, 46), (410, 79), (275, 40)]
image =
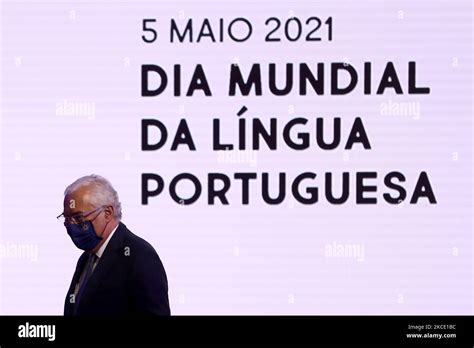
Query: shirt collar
[(103, 246)]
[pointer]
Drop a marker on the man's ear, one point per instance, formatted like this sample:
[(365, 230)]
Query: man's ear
[(109, 212)]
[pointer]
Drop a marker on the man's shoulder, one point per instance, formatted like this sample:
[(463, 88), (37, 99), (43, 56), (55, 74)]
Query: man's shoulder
[(137, 245), (141, 255)]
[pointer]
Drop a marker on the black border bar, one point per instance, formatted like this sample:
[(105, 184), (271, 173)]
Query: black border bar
[(447, 331)]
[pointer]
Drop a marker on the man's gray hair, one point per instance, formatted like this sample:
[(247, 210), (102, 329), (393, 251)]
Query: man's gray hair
[(102, 192)]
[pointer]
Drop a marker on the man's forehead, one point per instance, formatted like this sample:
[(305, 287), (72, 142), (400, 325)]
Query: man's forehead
[(78, 200)]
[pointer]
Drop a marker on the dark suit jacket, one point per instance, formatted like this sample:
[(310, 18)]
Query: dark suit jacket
[(129, 279)]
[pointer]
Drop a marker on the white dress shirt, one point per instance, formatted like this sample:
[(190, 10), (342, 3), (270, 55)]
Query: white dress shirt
[(103, 246)]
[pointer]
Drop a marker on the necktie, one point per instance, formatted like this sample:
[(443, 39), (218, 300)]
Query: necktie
[(89, 268)]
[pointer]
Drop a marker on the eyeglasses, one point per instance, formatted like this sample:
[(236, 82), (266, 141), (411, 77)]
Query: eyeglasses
[(78, 218)]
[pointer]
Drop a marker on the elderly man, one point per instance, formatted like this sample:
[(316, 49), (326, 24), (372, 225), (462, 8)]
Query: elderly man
[(119, 273)]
